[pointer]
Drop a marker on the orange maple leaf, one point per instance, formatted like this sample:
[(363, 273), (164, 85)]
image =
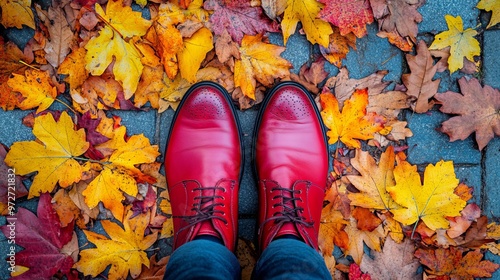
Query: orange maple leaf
[(331, 230), (350, 124), (36, 87), (338, 47)]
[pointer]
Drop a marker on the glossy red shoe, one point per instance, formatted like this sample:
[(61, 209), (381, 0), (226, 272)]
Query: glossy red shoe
[(203, 166), (291, 162)]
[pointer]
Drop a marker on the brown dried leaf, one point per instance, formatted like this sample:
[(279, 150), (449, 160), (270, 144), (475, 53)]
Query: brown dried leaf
[(343, 87), (420, 83), (396, 261), (477, 108), (61, 35)]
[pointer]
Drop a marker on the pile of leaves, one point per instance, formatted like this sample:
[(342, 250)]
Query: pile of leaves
[(98, 56)]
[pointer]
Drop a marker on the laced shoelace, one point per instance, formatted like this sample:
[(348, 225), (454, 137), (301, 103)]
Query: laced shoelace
[(290, 211), (204, 207)]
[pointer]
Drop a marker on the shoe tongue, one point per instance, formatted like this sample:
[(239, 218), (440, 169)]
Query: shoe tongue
[(207, 228)]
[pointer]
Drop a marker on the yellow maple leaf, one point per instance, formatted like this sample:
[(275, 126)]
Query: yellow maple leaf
[(351, 124), (118, 172), (461, 42), (35, 86), (127, 68), (195, 11), (124, 250), (359, 237), (168, 226), (258, 61), (74, 66), (373, 181), (123, 19), (52, 155), (317, 30), (16, 13), (173, 92), (494, 7), (431, 202), (194, 52)]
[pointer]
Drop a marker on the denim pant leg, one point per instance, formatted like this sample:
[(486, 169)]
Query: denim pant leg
[(290, 259), (203, 259)]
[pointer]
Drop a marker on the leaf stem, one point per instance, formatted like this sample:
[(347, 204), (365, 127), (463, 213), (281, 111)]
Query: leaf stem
[(109, 24), (66, 105), (414, 230), (92, 160), (30, 66)]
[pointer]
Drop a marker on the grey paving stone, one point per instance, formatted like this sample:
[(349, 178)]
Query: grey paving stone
[(20, 37), (247, 229), (298, 49), (496, 259), (372, 54), (449, 82), (492, 180), (165, 121), (491, 58), (248, 197), (427, 145), (4, 247), (12, 128), (138, 122), (471, 176), (433, 12)]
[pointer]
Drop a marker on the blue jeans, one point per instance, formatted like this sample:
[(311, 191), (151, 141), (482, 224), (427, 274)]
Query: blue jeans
[(282, 259)]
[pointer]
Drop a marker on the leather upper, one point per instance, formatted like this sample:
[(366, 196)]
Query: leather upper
[(203, 164), (291, 164)]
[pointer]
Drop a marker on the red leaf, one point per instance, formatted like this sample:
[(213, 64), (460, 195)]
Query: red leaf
[(143, 206), (355, 273), (348, 15), (92, 136), (238, 18), (42, 239)]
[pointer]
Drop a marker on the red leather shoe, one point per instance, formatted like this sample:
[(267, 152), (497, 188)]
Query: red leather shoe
[(203, 166), (291, 162)]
